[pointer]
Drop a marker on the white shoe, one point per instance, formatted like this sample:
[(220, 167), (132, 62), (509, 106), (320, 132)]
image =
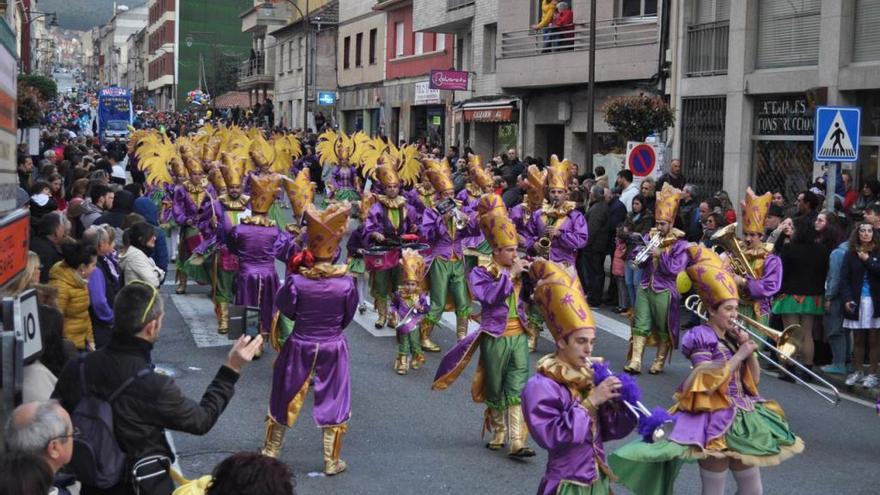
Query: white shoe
[(854, 378), (870, 381)]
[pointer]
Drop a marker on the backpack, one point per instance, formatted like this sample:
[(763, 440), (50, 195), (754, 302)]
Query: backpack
[(97, 460)]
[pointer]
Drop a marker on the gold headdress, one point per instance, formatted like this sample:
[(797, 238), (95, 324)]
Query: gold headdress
[(713, 283), (158, 157), (264, 188), (301, 192), (491, 204), (479, 175), (438, 175), (386, 173), (560, 299), (754, 211), (412, 264), (537, 178), (326, 228), (215, 177), (499, 231), (666, 206), (261, 152), (335, 146), (234, 170), (404, 160), (559, 173), (367, 201)]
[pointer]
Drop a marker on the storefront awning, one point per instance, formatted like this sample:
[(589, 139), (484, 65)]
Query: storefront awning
[(500, 110)]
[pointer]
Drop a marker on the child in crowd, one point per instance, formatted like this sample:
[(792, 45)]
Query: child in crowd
[(410, 304)]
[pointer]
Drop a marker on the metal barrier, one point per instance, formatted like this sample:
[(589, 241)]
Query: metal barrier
[(609, 34), (707, 49), (457, 4)]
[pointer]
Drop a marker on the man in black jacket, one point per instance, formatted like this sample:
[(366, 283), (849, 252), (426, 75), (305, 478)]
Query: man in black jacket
[(49, 232), (152, 402), (599, 237)]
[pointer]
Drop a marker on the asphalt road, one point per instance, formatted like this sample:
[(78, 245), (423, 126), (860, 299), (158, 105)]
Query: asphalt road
[(405, 438)]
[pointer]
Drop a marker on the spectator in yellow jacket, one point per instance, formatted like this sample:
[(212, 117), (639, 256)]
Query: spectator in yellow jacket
[(70, 276)]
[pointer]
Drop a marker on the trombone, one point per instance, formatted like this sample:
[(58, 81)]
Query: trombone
[(786, 346)]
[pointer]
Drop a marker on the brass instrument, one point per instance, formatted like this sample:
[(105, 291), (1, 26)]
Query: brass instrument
[(643, 255), (461, 221), (786, 346), (726, 238), (542, 247)]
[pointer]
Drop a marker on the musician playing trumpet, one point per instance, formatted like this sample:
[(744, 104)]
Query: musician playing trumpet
[(558, 230), (656, 308), (758, 285), (721, 420)]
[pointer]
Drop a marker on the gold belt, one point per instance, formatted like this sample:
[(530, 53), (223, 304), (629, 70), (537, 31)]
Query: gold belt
[(514, 328)]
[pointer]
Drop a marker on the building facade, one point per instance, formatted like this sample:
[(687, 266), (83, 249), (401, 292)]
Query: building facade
[(114, 42), (750, 75), (360, 59), (305, 66), (413, 112), (256, 74), (548, 71)]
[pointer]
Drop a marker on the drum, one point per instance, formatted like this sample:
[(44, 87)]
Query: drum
[(381, 258)]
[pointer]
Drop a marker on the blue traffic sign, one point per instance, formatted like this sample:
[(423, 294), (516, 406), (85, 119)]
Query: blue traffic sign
[(642, 160), (326, 98), (837, 134)]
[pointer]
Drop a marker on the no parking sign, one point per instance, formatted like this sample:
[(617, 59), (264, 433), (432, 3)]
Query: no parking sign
[(642, 159)]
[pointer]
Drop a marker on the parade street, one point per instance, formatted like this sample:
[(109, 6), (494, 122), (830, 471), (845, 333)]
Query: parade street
[(405, 438)]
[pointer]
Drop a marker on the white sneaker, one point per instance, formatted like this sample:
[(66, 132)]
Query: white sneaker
[(870, 381), (854, 378)]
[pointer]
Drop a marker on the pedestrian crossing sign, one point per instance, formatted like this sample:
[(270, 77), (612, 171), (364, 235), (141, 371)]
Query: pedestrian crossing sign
[(836, 137)]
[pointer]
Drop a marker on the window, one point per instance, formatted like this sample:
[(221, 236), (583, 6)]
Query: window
[(419, 43), (398, 39), (373, 34), (280, 58), (358, 45), (440, 42), (490, 31), (346, 52), (289, 56), (866, 42), (637, 8), (788, 33), (302, 52)]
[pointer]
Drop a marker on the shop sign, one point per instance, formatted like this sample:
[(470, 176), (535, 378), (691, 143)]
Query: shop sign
[(326, 98), (454, 80), (14, 229), (501, 114), (787, 115), (425, 95)]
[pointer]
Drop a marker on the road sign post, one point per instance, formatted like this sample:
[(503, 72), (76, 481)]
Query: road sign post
[(836, 140)]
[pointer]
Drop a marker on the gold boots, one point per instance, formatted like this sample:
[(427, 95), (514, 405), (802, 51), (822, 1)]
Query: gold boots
[(494, 422), (382, 311), (181, 283), (417, 361), (274, 438), (400, 364), (519, 433), (222, 318), (332, 445), (461, 327), (427, 344), (637, 349), (660, 360), (392, 319)]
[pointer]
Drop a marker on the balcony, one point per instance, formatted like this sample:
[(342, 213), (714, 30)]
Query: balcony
[(254, 73), (437, 16), (707, 49), (259, 19), (626, 49), (458, 4)]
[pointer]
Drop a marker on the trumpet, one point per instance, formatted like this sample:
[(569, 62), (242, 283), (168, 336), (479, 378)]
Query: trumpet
[(461, 221), (643, 255), (786, 346)]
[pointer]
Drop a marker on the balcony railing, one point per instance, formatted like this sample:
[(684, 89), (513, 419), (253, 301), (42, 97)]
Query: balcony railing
[(457, 4), (253, 68), (707, 49), (609, 34)]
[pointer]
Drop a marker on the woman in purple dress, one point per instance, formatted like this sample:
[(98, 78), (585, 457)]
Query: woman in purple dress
[(721, 420), (316, 353), (566, 414)]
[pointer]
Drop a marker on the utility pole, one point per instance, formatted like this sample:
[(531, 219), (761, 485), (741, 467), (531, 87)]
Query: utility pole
[(591, 88)]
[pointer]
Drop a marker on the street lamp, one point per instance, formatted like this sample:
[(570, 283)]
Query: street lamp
[(40, 15), (269, 6)]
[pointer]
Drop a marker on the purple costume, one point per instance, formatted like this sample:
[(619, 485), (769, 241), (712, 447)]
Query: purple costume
[(662, 275), (762, 290), (257, 246), (378, 221), (573, 438), (435, 231), (401, 308), (571, 235), (469, 207), (317, 350)]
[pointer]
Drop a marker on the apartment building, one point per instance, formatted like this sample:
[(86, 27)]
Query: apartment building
[(360, 62)]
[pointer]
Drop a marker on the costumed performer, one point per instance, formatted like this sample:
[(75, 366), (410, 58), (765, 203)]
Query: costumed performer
[(410, 304)]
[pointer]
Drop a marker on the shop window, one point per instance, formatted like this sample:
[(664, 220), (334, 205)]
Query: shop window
[(788, 33)]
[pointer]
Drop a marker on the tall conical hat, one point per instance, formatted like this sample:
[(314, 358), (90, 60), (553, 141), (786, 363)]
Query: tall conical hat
[(264, 188), (438, 176), (666, 206), (560, 299), (537, 179), (479, 175), (491, 204), (499, 230), (754, 211), (559, 173), (301, 192), (387, 173), (326, 228), (713, 283), (413, 267), (233, 172)]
